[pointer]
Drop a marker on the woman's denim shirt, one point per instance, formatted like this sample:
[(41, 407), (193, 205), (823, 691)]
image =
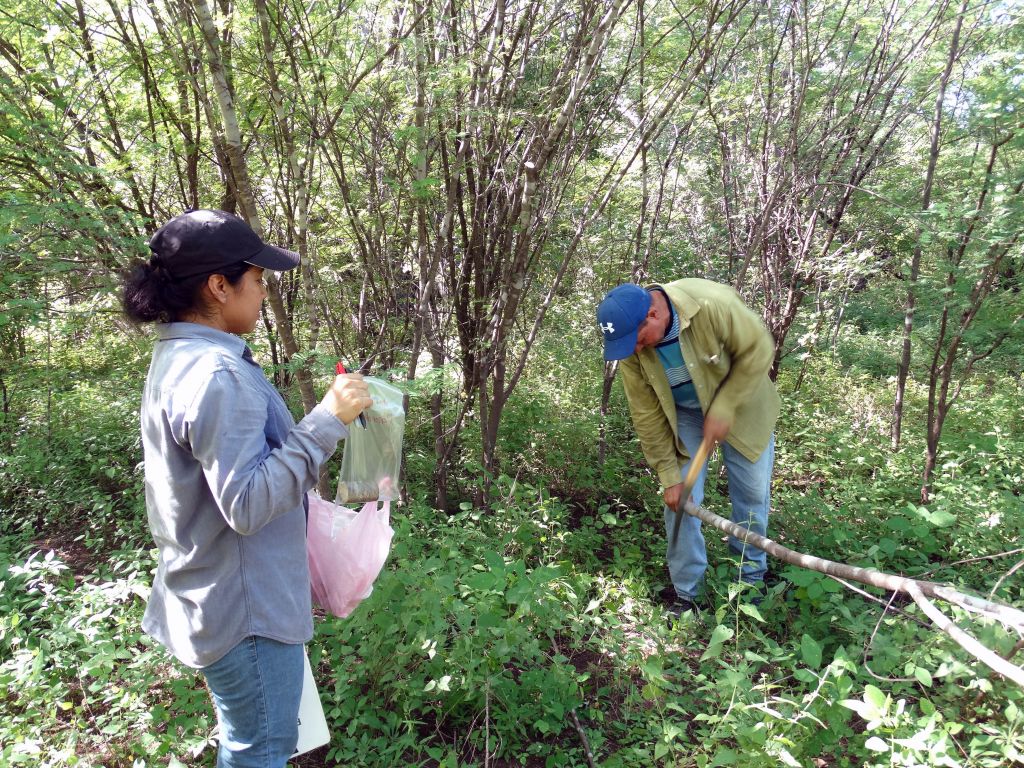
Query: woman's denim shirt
[(226, 472)]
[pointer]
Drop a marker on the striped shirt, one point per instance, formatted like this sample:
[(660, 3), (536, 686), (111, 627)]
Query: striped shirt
[(671, 356)]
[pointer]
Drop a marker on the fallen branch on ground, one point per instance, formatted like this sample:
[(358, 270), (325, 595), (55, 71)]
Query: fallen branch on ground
[(920, 591)]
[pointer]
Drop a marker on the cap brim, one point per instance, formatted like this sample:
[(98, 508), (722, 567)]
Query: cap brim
[(277, 259), (622, 347)]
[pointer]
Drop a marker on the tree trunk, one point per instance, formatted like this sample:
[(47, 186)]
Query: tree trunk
[(903, 370), (246, 198)]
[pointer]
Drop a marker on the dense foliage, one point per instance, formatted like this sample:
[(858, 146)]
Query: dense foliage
[(510, 630), (463, 182)]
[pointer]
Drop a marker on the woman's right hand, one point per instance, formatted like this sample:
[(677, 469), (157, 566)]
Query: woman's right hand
[(348, 397)]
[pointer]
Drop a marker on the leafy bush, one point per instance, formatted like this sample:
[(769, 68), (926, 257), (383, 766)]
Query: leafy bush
[(527, 631)]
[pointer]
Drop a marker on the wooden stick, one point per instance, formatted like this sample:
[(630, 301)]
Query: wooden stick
[(583, 737), (696, 465)]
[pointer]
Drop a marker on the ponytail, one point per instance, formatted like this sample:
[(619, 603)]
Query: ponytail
[(151, 294)]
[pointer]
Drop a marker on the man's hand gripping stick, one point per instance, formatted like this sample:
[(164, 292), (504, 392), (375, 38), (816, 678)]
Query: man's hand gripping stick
[(696, 464)]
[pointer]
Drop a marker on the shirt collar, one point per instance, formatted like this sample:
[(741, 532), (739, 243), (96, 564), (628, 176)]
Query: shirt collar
[(674, 325), (686, 305), (168, 331)]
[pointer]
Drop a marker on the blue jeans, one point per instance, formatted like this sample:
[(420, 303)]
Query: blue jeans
[(256, 689), (749, 494)]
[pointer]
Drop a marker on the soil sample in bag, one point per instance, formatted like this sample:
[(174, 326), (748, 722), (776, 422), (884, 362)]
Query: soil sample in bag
[(372, 459), (350, 491)]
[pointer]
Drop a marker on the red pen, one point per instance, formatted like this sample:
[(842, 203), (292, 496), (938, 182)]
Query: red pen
[(340, 368)]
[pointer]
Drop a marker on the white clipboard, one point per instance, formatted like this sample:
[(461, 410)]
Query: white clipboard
[(313, 731)]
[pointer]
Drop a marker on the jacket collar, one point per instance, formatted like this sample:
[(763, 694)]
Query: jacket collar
[(681, 301)]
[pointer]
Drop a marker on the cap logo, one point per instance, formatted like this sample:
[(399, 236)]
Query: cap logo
[(608, 328)]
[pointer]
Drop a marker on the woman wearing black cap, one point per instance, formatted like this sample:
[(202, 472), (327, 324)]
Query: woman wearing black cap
[(227, 469)]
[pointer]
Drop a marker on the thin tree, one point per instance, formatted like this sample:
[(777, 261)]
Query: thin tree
[(903, 369)]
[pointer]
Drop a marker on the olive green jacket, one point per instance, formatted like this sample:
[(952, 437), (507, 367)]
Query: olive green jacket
[(728, 352)]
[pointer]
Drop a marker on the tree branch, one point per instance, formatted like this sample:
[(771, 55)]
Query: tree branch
[(920, 591)]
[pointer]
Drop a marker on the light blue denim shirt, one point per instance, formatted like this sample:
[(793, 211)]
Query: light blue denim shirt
[(226, 472)]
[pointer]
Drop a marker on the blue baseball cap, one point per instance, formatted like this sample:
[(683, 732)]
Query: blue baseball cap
[(620, 316)]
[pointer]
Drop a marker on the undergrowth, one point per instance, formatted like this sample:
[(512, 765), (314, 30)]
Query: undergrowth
[(534, 631)]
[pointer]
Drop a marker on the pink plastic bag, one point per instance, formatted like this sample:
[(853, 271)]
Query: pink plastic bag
[(346, 552)]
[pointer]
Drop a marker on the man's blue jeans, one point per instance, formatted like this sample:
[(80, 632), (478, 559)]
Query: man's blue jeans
[(749, 493), (256, 689)]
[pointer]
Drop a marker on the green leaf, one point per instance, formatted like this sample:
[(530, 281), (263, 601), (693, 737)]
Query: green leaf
[(805, 675), (810, 651), (940, 518), (924, 677), (650, 692), (888, 546), (801, 576), (719, 635), (653, 670), (486, 582), (875, 700), (725, 756), (1011, 712), (751, 611), (900, 524), (495, 562), (488, 619)]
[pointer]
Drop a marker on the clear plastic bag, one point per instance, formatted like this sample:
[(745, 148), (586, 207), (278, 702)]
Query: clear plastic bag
[(347, 551), (373, 454)]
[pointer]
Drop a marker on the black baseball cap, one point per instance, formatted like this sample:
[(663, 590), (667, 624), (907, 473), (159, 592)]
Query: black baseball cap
[(201, 242)]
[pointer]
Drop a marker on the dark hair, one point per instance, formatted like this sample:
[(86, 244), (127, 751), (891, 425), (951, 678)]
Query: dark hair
[(150, 294)]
